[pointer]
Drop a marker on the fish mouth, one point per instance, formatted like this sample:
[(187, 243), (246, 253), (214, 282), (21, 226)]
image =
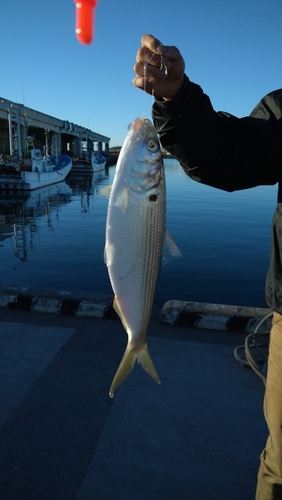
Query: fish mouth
[(137, 124), (144, 128)]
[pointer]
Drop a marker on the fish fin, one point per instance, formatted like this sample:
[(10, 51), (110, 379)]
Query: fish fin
[(127, 363), (107, 253), (116, 306), (124, 369), (105, 191), (119, 313), (170, 249), (144, 358), (122, 200)]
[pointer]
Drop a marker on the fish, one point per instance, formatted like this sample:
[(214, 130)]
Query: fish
[(137, 241)]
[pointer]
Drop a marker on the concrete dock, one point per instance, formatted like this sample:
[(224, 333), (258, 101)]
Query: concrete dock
[(196, 436)]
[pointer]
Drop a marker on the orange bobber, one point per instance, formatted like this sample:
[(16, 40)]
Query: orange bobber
[(85, 15)]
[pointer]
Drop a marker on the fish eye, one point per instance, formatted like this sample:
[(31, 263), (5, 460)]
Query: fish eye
[(152, 145)]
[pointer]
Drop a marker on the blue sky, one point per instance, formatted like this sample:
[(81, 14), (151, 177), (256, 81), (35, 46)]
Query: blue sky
[(232, 48)]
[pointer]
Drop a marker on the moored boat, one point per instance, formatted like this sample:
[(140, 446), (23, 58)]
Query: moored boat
[(39, 171), (98, 162)]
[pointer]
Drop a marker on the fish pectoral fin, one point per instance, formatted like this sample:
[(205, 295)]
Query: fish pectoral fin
[(170, 249), (127, 363), (106, 191), (122, 200)]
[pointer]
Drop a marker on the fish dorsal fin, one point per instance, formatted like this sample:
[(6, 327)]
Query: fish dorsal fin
[(170, 249), (106, 191), (122, 200)]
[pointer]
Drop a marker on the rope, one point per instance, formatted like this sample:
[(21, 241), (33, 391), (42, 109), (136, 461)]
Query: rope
[(254, 352)]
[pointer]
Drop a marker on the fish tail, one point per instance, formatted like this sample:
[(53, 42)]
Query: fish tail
[(144, 358), (124, 369), (127, 363)]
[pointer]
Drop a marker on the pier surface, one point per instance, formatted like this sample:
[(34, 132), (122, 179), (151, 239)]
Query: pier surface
[(198, 435)]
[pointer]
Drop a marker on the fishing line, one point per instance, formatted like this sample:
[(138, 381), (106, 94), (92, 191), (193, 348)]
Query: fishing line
[(163, 67), (145, 64), (145, 70)]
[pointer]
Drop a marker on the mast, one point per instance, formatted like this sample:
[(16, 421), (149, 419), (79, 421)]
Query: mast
[(10, 133)]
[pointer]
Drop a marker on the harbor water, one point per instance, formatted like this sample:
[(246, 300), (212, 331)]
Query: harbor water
[(55, 236)]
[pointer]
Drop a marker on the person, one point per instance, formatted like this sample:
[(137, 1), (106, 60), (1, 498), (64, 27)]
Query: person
[(229, 153)]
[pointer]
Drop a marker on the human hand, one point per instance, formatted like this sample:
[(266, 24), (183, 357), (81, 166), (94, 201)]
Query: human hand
[(159, 68)]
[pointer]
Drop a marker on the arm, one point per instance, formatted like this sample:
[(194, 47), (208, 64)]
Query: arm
[(217, 149)]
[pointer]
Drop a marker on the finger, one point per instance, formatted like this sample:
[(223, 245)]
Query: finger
[(141, 69), (170, 52), (151, 43), (145, 55), (146, 84)]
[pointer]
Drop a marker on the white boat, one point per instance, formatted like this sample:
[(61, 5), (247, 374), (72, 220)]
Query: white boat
[(39, 172), (98, 162)]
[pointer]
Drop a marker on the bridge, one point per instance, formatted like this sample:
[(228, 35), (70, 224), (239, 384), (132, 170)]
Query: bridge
[(22, 128)]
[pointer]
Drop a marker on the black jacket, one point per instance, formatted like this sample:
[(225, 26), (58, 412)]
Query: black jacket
[(229, 153)]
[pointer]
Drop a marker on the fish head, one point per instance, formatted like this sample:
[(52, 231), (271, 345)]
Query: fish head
[(142, 156)]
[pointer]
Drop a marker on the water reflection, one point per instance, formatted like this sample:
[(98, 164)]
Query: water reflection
[(86, 185), (20, 215), (55, 237)]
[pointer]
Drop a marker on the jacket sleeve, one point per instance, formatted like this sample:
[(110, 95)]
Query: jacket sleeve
[(219, 149)]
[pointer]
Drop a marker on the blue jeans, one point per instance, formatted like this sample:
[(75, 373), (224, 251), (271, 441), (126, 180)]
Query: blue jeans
[(269, 485)]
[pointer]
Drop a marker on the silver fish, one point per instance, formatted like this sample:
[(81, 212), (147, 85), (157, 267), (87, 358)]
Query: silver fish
[(135, 234)]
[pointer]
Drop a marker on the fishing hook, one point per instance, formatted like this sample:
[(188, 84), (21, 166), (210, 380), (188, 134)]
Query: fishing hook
[(162, 65)]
